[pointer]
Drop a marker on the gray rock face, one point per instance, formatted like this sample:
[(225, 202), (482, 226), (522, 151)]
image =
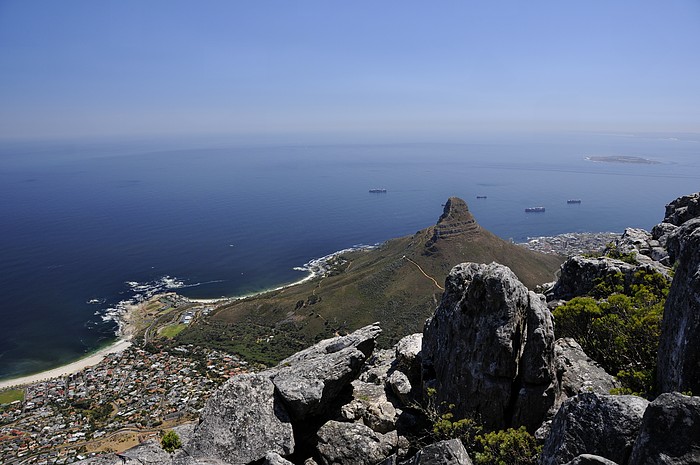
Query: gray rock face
[(670, 432), (679, 346), (400, 386), (309, 380), (147, 453), (595, 424), (378, 367), (577, 373), (408, 357), (450, 452), (242, 422), (371, 406), (273, 458), (579, 275), (489, 348), (353, 444), (588, 459), (683, 209)]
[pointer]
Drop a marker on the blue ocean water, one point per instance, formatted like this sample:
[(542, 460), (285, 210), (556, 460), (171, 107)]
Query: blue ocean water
[(86, 225)]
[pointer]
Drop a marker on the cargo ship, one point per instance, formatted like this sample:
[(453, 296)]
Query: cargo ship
[(573, 201), (534, 210), (480, 196), (377, 191)]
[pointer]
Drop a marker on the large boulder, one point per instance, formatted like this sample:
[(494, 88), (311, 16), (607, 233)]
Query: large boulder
[(310, 380), (588, 459), (683, 209), (488, 348), (679, 345), (242, 422), (450, 452), (577, 372), (594, 424), (371, 406), (146, 453), (579, 275), (670, 432), (353, 444)]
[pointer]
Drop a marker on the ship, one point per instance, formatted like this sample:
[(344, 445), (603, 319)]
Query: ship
[(573, 201), (480, 196), (534, 210), (377, 191)]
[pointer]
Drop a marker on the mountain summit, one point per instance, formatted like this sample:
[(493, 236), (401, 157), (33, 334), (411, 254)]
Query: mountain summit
[(398, 284)]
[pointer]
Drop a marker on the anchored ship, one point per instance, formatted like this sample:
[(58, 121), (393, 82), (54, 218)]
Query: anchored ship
[(534, 209), (573, 201), (377, 191)]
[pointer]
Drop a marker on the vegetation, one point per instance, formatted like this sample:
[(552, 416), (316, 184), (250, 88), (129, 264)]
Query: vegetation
[(11, 395), (170, 441), (619, 327), (172, 330), (504, 447)]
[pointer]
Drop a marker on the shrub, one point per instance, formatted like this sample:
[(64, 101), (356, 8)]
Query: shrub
[(507, 447), (170, 441)]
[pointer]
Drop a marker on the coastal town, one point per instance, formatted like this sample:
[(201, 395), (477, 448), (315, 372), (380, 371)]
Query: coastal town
[(129, 396)]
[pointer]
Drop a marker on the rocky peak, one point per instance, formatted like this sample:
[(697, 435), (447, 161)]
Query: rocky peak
[(456, 219)]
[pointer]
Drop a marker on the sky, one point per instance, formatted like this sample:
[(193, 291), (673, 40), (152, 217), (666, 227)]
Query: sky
[(402, 68)]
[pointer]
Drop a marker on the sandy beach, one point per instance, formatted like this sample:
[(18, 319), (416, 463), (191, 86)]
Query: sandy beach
[(74, 367)]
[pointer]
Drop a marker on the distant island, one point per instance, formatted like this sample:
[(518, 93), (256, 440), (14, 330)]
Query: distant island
[(624, 159)]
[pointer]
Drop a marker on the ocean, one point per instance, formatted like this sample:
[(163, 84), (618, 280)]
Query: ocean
[(86, 226)]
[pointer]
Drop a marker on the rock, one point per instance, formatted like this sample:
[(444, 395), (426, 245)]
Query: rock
[(661, 232), (670, 432), (377, 367), (450, 452), (579, 275), (488, 348), (242, 421), (577, 373), (456, 220), (310, 380), (273, 458), (408, 357), (371, 406), (636, 242), (683, 209), (400, 386), (146, 453), (596, 424), (679, 346), (588, 459), (353, 444)]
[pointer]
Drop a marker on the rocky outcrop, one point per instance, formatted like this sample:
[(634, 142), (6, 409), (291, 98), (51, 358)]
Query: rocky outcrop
[(353, 444), (679, 346), (243, 421), (450, 452), (456, 220), (683, 209), (579, 275), (670, 432), (588, 459), (595, 424), (577, 373), (489, 348), (371, 406), (309, 380), (273, 458)]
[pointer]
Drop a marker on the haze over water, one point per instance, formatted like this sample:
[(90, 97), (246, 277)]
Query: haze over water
[(85, 226)]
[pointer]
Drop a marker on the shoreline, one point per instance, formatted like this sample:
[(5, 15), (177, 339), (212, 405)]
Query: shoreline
[(68, 369), (124, 334)]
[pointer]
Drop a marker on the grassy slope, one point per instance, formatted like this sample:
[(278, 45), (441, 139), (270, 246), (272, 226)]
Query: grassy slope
[(377, 285)]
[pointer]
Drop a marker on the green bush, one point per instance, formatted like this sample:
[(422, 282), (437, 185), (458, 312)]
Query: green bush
[(620, 328), (507, 447), (170, 441)]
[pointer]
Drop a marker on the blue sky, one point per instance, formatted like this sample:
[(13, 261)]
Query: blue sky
[(399, 68)]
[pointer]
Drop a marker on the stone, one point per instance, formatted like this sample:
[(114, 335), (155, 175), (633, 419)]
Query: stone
[(488, 348), (273, 458), (597, 424), (588, 459), (310, 380), (242, 421), (371, 406), (579, 275), (377, 368), (408, 357), (400, 386), (679, 345), (670, 432), (353, 444), (146, 453), (577, 373), (450, 452), (683, 209)]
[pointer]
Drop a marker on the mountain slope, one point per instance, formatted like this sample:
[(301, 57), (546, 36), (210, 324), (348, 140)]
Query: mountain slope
[(397, 284)]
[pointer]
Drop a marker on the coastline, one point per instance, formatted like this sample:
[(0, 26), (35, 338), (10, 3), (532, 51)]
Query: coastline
[(124, 334)]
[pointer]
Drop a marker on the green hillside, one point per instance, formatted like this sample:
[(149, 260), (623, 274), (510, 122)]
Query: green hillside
[(397, 284)]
